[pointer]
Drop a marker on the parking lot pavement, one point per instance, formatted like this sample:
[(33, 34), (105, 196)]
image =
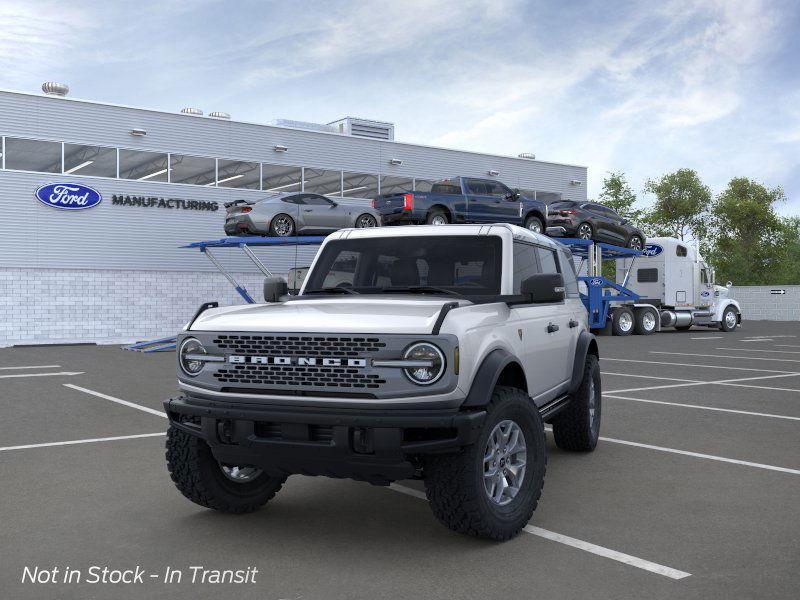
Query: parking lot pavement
[(706, 493)]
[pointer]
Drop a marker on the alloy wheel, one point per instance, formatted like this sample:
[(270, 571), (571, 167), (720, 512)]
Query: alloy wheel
[(625, 321), (730, 319), (282, 226), (504, 461), (585, 232), (365, 221), (240, 474), (535, 226), (635, 243), (438, 220)]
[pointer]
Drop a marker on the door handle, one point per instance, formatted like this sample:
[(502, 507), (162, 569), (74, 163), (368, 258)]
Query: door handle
[(552, 328), (573, 323), (307, 210)]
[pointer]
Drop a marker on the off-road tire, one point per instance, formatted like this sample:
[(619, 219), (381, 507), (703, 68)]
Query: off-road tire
[(274, 233), (639, 326), (533, 219), (616, 327), (436, 212), (199, 477), (454, 482), (573, 427)]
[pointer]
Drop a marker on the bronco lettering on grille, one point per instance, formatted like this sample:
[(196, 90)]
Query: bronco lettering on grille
[(303, 361)]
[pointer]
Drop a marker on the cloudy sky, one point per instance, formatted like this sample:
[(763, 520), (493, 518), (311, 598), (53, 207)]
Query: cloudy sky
[(641, 87)]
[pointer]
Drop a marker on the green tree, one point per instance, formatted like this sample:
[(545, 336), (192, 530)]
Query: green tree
[(618, 195), (681, 205), (750, 243)]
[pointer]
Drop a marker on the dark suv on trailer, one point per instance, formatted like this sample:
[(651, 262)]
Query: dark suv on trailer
[(463, 200), (593, 221)]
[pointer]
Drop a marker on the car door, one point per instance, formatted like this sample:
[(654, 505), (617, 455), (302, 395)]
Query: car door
[(600, 223), (542, 351), (504, 205), (479, 201), (322, 214), (616, 225), (561, 338)]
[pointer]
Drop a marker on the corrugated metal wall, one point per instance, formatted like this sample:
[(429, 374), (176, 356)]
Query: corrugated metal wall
[(125, 237)]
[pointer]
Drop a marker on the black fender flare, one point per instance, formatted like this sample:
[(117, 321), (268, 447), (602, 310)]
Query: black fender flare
[(587, 344), (485, 380), (535, 212)]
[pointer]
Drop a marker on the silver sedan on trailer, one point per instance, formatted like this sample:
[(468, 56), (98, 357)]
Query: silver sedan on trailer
[(296, 213)]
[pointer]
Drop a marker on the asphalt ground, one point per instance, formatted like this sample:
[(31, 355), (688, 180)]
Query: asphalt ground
[(691, 493)]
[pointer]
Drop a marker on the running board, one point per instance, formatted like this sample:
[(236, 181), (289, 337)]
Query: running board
[(549, 410)]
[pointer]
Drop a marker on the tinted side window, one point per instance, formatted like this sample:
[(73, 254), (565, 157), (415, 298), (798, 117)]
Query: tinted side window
[(293, 200), (547, 260), (681, 251), (495, 188), (647, 275), (476, 186), (525, 264), (568, 272), (316, 200)]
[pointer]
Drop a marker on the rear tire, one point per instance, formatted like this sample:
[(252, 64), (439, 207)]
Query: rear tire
[(199, 477), (646, 322), (458, 485), (729, 320), (282, 225), (365, 221), (437, 217), (622, 322), (636, 243), (577, 427), (584, 232), (534, 224)]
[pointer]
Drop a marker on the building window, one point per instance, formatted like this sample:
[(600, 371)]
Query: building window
[(96, 161), (423, 185), (144, 166), (237, 174), (280, 178), (321, 181), (359, 185), (33, 155), (194, 170), (396, 185)]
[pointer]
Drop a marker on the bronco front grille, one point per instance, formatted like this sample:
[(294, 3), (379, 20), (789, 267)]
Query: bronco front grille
[(294, 376), (299, 345)]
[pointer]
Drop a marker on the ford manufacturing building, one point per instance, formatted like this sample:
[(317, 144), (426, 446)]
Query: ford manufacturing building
[(115, 272)]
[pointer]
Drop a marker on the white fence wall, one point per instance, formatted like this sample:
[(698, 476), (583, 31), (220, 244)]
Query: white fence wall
[(763, 303)]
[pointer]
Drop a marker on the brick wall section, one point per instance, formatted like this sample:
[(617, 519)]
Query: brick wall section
[(759, 304), (49, 306)]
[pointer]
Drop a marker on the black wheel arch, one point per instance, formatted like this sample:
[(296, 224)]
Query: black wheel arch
[(442, 208), (587, 344), (500, 367), (535, 212)]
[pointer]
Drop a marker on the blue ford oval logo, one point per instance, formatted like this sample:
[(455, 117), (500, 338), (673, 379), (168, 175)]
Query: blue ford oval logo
[(68, 196), (596, 281), (652, 250), (705, 294)]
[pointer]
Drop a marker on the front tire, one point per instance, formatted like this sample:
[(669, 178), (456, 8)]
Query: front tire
[(491, 488), (281, 226), (534, 224), (577, 427), (199, 477), (584, 232), (635, 243), (729, 320)]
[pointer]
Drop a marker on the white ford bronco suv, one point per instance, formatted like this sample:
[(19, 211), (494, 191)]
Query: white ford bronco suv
[(427, 352)]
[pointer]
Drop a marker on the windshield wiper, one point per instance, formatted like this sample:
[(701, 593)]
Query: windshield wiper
[(331, 290), (422, 289)]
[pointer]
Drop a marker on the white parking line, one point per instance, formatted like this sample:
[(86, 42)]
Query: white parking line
[(650, 377), (87, 441), (717, 382), (64, 373), (633, 561), (758, 350), (708, 337), (724, 356), (31, 367), (713, 408), (655, 362), (152, 411), (701, 455), (787, 346)]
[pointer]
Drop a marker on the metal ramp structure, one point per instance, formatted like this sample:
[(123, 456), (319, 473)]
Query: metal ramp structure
[(246, 245), (601, 292)]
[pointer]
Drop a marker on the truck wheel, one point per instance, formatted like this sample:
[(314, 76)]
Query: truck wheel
[(729, 320), (437, 217), (577, 427), (281, 226), (645, 322), (622, 323), (199, 477), (534, 224), (491, 488)]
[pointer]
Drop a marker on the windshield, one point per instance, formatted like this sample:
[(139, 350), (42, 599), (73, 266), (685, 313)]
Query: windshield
[(462, 265)]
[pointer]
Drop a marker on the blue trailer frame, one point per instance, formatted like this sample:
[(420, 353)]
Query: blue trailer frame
[(244, 243), (601, 291)]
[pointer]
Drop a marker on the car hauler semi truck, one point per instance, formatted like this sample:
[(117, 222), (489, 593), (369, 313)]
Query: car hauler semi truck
[(671, 276)]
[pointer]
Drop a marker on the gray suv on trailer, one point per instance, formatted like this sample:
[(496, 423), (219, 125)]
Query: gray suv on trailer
[(431, 352)]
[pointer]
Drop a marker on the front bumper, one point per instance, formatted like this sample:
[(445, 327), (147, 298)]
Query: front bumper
[(378, 445)]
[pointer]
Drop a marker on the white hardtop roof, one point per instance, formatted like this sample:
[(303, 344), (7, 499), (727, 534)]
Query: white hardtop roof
[(501, 229)]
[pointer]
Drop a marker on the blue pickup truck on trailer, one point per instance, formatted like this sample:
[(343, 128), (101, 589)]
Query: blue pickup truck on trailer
[(463, 200)]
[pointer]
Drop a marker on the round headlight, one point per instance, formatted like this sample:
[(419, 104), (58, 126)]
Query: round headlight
[(189, 347), (426, 375)]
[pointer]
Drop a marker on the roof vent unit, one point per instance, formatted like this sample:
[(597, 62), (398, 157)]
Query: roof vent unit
[(219, 115), (527, 155), (376, 130), (192, 111), (51, 88), (303, 125)]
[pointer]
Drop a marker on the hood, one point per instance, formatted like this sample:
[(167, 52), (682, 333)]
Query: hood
[(385, 314), (720, 291)]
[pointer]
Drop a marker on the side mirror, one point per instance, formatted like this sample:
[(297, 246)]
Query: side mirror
[(729, 285), (543, 288), (274, 288)]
